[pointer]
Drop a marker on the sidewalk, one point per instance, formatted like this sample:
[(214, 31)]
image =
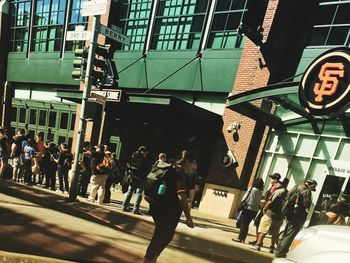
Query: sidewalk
[(210, 239)]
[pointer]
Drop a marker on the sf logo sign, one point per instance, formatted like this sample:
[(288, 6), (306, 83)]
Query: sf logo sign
[(324, 90), (329, 74)]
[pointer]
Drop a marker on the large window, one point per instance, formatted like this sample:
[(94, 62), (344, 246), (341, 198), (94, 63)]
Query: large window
[(76, 19), (332, 24), (134, 21), (227, 17), (20, 21), (178, 24), (49, 16)]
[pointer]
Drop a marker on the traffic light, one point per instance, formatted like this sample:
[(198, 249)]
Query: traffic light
[(79, 64), (99, 72)]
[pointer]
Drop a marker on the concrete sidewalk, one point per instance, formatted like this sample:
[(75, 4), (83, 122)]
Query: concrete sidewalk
[(210, 239)]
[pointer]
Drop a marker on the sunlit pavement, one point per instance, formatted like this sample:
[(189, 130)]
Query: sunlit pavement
[(39, 222)]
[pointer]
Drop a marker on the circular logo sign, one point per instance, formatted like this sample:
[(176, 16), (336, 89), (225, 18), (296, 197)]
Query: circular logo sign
[(324, 89)]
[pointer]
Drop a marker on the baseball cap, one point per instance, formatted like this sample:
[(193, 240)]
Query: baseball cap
[(143, 149), (275, 176), (312, 183)]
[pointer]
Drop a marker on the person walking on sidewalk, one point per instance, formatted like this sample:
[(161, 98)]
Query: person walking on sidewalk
[(4, 151), (137, 169), (252, 200), (296, 209), (167, 209)]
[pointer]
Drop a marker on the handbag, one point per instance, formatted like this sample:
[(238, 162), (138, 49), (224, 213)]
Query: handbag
[(243, 203)]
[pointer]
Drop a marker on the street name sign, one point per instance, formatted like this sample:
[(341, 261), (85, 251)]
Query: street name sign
[(78, 35), (115, 35), (109, 95), (94, 7)]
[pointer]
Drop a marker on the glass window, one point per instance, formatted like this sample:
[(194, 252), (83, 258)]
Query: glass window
[(52, 119), (64, 120), (327, 148), (48, 25), (61, 139), (286, 143), (72, 122), (22, 115), (32, 118), (331, 24), (306, 145), (298, 169), (343, 151), (42, 117), (178, 24), (19, 25), (14, 114), (75, 19), (134, 22), (227, 17), (70, 142), (50, 136)]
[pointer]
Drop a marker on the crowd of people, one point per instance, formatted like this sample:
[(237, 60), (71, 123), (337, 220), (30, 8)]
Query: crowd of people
[(269, 212)]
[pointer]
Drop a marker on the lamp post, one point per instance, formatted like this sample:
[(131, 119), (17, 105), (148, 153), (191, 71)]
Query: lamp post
[(82, 122)]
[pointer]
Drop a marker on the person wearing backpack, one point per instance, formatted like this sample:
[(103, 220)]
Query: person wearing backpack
[(173, 198), (137, 170), (64, 164), (295, 209)]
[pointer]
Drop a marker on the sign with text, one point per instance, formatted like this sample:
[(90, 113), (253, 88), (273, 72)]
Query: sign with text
[(109, 95), (115, 35), (78, 35), (94, 7)]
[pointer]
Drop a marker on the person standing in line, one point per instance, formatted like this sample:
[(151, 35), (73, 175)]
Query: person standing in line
[(85, 170), (252, 200), (50, 166), (161, 159), (273, 186), (296, 209), (64, 164), (273, 216), (137, 169), (29, 153), (16, 151), (99, 174), (4, 151), (110, 178), (40, 148), (167, 209)]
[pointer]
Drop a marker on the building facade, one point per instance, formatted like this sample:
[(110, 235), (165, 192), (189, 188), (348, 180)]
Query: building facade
[(180, 77)]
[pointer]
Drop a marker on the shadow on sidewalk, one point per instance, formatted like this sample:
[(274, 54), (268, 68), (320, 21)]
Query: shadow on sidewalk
[(116, 220)]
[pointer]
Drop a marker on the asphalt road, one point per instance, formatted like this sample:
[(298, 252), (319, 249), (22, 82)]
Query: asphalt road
[(34, 228)]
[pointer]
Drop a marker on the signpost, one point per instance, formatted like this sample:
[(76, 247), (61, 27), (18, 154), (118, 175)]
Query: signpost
[(78, 34), (115, 35)]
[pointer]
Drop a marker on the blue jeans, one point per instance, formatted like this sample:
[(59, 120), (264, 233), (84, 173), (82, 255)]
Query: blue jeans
[(128, 195)]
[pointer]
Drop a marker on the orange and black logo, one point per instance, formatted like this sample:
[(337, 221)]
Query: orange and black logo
[(324, 90)]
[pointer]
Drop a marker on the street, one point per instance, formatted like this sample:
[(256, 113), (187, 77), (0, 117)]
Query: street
[(36, 222)]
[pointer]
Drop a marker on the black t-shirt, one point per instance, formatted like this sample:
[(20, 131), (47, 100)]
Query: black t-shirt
[(176, 181), (18, 141), (63, 156)]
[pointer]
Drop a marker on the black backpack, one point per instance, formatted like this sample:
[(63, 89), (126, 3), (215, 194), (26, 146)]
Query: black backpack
[(292, 205), (154, 180)]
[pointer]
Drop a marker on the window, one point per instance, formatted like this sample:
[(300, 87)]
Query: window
[(227, 17), (48, 25), (134, 21), (64, 120), (331, 24), (179, 24), (22, 115), (72, 122), (75, 19), (42, 117), (14, 114), (32, 119), (20, 20), (52, 119)]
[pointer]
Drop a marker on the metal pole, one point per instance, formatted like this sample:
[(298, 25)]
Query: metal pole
[(82, 122)]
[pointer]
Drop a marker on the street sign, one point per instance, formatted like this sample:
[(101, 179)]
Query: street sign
[(78, 35), (115, 35), (109, 95), (94, 7)]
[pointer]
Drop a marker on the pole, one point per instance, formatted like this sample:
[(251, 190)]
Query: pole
[(82, 122)]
